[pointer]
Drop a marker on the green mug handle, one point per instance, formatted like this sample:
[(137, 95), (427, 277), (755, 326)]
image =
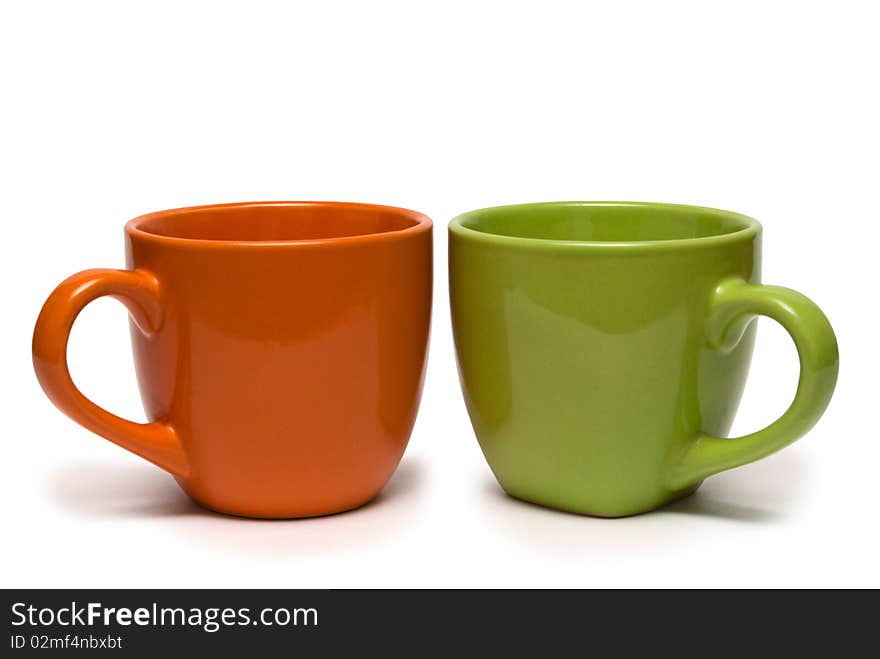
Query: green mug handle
[(733, 305)]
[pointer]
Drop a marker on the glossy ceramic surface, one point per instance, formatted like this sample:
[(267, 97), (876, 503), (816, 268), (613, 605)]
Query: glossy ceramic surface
[(603, 348), (280, 349)]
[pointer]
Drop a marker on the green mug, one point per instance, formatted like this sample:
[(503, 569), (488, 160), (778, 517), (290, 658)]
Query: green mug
[(603, 348)]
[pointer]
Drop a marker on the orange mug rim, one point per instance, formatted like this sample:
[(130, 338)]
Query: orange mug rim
[(419, 223)]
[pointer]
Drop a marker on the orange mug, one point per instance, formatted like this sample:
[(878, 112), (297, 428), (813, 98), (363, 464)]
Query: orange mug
[(280, 349)]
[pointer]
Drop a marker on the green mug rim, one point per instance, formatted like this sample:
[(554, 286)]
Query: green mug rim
[(748, 228)]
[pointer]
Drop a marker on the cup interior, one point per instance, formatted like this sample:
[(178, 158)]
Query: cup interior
[(618, 222), (275, 222)]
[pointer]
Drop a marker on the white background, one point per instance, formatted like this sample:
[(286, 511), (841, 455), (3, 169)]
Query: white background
[(111, 109)]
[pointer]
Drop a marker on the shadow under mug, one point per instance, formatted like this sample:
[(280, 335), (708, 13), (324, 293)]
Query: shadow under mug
[(603, 348), (280, 349)]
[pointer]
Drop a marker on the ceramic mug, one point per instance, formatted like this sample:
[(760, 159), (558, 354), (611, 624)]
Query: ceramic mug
[(280, 349), (603, 348)]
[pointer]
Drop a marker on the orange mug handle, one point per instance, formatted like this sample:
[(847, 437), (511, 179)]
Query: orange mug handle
[(138, 290)]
